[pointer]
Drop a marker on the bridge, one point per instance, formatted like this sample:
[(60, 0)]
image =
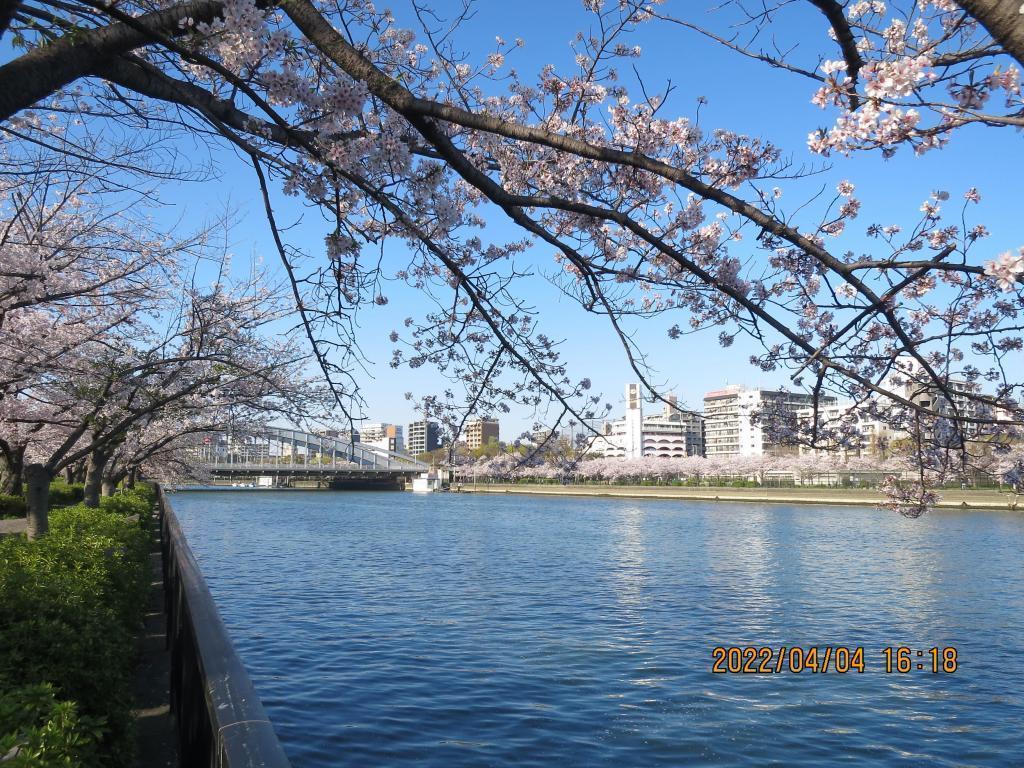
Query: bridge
[(282, 457)]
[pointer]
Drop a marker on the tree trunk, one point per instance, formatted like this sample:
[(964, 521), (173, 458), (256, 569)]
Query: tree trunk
[(69, 475), (1003, 19), (12, 466), (94, 478), (37, 482), (133, 476), (108, 486), (78, 475)]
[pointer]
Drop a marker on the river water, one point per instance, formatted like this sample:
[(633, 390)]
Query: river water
[(389, 629)]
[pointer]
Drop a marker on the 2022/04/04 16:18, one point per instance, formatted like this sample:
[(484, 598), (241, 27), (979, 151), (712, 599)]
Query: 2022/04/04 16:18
[(755, 660)]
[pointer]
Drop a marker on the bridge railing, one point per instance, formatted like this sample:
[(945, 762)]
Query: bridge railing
[(304, 449), (220, 720)]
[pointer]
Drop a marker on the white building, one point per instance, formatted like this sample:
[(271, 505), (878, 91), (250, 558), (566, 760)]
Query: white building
[(730, 430), (424, 436), (674, 433), (382, 435), (847, 432), (956, 399)]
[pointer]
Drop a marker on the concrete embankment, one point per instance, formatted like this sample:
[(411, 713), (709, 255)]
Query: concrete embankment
[(952, 499)]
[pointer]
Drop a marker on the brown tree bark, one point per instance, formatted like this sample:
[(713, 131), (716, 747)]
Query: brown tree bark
[(37, 487), (133, 475), (108, 486), (45, 70), (1004, 20), (12, 465), (94, 478)]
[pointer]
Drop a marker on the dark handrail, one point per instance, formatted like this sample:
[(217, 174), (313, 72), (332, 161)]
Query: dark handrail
[(220, 720)]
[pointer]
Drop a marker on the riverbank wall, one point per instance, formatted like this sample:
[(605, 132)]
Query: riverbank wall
[(952, 499)]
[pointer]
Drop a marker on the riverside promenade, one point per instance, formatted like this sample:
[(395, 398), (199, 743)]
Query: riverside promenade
[(951, 499)]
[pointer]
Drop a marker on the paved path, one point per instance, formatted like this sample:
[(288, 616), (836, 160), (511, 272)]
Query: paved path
[(13, 525), (950, 499), (157, 741)]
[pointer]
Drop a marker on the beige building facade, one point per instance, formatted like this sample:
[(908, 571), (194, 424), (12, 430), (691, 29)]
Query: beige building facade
[(480, 432)]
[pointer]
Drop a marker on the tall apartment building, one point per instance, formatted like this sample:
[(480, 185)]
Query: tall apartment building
[(423, 436), (958, 398), (480, 432), (673, 433), (884, 420), (863, 436), (243, 449), (382, 435), (729, 429)]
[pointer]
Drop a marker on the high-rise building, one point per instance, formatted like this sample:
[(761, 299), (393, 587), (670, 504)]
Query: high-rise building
[(883, 420), (382, 435), (730, 430), (423, 436), (954, 399), (844, 431), (673, 433), (480, 432)]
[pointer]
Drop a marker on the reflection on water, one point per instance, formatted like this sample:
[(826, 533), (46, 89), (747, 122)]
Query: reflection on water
[(448, 630), (743, 573), (630, 574)]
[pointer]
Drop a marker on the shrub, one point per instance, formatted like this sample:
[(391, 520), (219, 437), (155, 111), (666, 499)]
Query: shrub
[(72, 604), (12, 506), (145, 491), (135, 501), (125, 504), (38, 731), (64, 495)]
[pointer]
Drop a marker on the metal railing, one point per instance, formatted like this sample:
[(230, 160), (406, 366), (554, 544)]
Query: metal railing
[(220, 720), (279, 447)]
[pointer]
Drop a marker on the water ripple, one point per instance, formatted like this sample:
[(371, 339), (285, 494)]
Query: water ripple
[(465, 631)]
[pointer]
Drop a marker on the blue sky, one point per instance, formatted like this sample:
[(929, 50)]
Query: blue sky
[(741, 95)]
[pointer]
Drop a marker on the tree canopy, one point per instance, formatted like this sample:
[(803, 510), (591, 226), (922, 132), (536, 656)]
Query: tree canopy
[(401, 137)]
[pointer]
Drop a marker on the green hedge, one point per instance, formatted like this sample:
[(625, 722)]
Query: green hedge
[(11, 506), (43, 732), (126, 504), (64, 495), (72, 603)]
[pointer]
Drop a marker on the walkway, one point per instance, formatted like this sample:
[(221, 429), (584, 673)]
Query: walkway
[(13, 525), (157, 741)]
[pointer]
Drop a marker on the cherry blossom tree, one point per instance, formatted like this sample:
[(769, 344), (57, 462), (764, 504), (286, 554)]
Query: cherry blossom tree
[(112, 351), (74, 269), (165, 444), (400, 137), (209, 358), (805, 469)]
